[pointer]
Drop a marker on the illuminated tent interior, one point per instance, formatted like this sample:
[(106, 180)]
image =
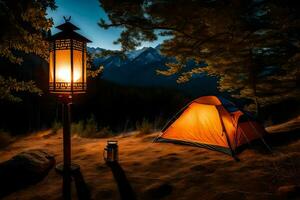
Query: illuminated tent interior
[(214, 123)]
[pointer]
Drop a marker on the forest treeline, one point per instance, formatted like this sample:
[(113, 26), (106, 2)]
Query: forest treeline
[(251, 46)]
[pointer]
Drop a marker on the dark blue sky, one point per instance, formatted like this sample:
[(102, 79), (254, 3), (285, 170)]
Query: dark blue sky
[(85, 14)]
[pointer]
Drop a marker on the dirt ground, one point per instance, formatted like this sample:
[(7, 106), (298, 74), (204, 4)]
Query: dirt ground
[(148, 170)]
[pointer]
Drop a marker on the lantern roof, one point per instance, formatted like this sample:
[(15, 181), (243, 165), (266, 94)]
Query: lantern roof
[(67, 26), (67, 32)]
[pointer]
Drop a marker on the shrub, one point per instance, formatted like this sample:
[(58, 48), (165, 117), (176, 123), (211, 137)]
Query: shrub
[(56, 126), (89, 129), (90, 126), (159, 123), (144, 127), (78, 128), (103, 132)]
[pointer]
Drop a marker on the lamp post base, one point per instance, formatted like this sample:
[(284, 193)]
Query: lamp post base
[(60, 168)]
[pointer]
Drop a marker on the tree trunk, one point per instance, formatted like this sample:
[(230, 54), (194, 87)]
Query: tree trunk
[(253, 83), (257, 106)]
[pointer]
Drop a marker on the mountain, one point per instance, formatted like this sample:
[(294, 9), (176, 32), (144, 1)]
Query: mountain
[(133, 54), (139, 69), (93, 50)]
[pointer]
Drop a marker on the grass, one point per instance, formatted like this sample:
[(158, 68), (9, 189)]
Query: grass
[(144, 127), (89, 129), (56, 126)]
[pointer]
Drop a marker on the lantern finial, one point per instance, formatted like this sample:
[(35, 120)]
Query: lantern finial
[(67, 19)]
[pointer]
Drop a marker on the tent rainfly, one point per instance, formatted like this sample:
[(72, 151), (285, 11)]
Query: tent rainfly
[(212, 122)]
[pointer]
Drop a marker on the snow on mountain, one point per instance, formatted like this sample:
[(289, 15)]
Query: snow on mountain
[(133, 54), (149, 55), (94, 50), (139, 69)]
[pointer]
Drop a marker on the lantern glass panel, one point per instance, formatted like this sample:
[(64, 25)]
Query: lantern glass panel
[(84, 57), (67, 65), (78, 68), (51, 70), (63, 66)]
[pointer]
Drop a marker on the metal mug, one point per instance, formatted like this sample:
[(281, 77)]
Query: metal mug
[(110, 153)]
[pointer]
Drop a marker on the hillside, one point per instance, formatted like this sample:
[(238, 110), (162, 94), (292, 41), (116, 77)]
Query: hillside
[(166, 171)]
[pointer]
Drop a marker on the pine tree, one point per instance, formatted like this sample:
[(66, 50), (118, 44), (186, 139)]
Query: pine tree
[(252, 46), (24, 29)]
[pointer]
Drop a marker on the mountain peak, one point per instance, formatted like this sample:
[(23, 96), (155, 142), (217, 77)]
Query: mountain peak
[(135, 53), (95, 50)]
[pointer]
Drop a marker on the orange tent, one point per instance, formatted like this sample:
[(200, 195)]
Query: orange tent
[(214, 123)]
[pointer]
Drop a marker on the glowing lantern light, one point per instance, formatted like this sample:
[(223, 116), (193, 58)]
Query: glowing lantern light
[(67, 76), (67, 61)]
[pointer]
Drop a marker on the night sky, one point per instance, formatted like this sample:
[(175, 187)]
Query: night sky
[(85, 14)]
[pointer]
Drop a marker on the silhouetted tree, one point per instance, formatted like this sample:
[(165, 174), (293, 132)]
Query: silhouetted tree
[(252, 46), (24, 29)]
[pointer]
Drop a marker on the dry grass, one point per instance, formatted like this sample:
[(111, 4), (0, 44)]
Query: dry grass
[(144, 127), (167, 171), (90, 129)]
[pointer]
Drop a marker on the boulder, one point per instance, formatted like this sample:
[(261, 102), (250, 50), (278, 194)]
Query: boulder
[(289, 192), (24, 169)]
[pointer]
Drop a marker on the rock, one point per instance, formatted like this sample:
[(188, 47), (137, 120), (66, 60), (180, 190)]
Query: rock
[(24, 169), (289, 192)]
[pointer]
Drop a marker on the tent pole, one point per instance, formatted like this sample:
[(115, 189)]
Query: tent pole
[(171, 120), (226, 135), (175, 116)]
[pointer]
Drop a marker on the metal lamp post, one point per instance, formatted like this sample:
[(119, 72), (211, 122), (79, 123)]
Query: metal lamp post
[(67, 77)]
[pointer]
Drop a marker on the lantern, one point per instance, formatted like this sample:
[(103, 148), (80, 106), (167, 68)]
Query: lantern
[(67, 61), (67, 76)]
